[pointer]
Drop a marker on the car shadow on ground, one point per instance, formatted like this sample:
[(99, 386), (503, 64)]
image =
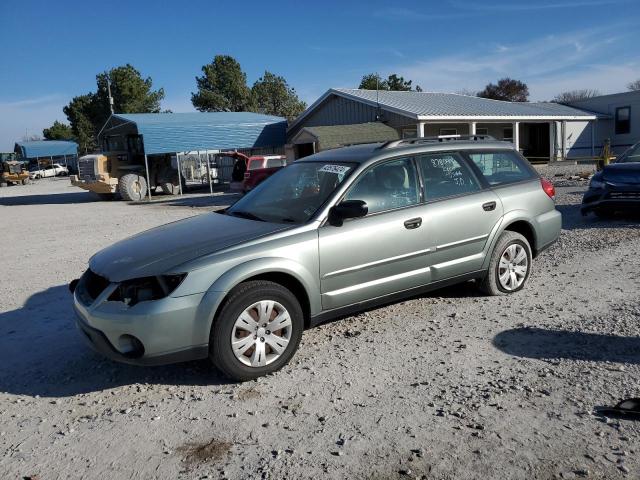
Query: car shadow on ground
[(42, 353), (197, 201), (572, 219), (541, 344), (49, 199)]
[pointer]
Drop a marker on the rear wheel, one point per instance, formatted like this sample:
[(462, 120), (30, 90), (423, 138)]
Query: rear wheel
[(510, 265), (132, 187), (24, 182), (169, 188), (257, 331)]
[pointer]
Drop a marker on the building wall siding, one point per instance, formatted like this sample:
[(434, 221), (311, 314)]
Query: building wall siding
[(342, 111), (608, 104)]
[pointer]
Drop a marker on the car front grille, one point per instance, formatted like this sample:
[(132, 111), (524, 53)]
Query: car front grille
[(624, 195), (86, 170), (95, 284)]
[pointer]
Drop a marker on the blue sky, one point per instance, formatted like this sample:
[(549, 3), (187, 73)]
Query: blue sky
[(52, 50)]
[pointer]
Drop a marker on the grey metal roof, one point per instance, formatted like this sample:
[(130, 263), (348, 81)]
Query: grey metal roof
[(452, 106), (46, 148), (435, 104), (183, 132)]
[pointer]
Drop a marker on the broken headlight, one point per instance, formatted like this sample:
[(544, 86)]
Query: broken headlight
[(144, 289)]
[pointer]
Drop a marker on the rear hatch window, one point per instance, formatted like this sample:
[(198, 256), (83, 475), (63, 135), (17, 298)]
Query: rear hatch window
[(502, 167)]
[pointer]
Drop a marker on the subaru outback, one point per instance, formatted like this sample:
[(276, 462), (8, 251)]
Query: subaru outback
[(332, 233)]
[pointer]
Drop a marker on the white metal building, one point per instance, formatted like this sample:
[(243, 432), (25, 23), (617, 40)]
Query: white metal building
[(542, 131), (619, 121)]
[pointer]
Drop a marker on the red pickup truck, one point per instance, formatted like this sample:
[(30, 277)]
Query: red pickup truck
[(261, 167)]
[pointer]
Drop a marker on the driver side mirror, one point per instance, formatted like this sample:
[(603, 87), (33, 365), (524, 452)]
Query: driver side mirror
[(345, 210)]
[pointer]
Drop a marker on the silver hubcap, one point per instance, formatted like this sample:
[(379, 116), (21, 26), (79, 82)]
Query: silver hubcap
[(261, 333), (513, 266)]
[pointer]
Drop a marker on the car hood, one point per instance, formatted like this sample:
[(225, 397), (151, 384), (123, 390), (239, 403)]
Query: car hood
[(158, 250), (622, 173)]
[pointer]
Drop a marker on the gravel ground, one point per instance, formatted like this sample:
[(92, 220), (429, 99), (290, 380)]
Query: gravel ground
[(450, 385)]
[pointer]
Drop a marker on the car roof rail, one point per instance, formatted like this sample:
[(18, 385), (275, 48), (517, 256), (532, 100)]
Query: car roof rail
[(438, 139)]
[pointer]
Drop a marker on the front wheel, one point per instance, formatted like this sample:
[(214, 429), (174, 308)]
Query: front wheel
[(510, 265), (257, 331), (132, 187)]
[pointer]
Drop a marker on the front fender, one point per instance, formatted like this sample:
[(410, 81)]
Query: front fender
[(217, 292)]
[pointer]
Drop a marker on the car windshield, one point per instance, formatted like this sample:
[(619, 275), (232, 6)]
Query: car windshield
[(631, 155), (293, 194)]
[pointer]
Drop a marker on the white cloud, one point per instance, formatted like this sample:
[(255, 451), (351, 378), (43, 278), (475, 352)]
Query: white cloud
[(548, 64), (535, 5)]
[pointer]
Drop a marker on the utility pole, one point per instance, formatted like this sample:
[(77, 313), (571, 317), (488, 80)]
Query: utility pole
[(109, 92)]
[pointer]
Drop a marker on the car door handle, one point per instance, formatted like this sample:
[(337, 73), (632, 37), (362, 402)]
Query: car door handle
[(489, 206), (413, 223)]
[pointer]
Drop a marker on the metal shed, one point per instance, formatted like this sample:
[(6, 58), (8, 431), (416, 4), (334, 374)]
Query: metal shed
[(164, 133), (157, 136), (45, 149)]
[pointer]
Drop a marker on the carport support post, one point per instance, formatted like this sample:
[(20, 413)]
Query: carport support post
[(146, 166), (179, 173), (516, 135), (593, 138), (208, 172), (472, 128), (420, 130)]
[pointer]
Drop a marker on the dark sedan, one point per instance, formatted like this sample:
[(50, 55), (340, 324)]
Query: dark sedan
[(616, 187)]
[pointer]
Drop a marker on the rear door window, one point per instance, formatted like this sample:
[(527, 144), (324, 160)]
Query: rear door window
[(446, 175), (501, 167), (275, 162)]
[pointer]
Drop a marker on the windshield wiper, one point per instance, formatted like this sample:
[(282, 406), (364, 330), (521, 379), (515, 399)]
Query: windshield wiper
[(247, 215)]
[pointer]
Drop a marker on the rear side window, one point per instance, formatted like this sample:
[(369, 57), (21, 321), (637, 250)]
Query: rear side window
[(254, 164), (500, 168), (275, 162)]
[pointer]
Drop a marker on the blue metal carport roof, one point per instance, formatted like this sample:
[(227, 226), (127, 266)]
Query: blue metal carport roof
[(183, 132), (46, 148)]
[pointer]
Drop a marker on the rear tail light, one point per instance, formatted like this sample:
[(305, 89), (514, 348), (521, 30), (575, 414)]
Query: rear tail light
[(548, 187)]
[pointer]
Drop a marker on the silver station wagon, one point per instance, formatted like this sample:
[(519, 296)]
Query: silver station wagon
[(332, 233)]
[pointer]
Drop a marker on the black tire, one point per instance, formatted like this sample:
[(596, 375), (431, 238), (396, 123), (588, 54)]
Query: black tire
[(170, 188), (132, 187), (491, 283), (240, 298), (24, 182), (3, 184)]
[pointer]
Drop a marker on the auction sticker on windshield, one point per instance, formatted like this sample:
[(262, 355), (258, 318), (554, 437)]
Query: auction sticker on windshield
[(331, 168)]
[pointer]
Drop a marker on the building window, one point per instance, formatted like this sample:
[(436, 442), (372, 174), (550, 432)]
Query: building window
[(507, 134), (448, 131), (623, 120), (409, 132), (482, 131)]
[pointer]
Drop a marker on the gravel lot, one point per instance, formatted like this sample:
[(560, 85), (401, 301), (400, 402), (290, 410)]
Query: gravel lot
[(451, 385)]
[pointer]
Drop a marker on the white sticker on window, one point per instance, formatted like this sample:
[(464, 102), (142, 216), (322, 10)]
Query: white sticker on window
[(338, 169)]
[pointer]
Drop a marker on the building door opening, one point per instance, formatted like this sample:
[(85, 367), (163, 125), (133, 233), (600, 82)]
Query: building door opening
[(304, 150), (534, 141)]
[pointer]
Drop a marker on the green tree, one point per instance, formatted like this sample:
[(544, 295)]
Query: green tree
[(373, 81), (222, 87), (80, 112), (131, 94), (273, 95), (506, 89), (58, 131)]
